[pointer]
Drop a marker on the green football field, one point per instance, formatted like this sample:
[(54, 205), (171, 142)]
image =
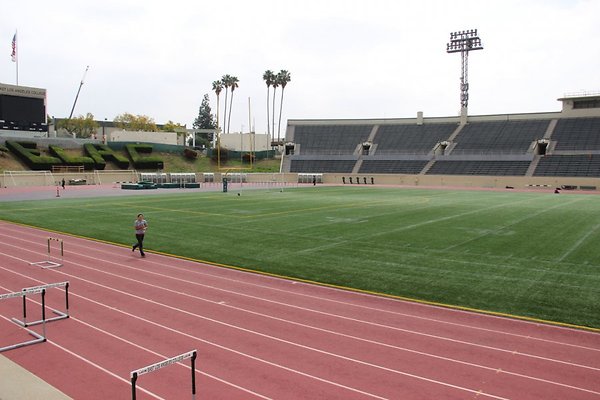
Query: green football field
[(526, 254)]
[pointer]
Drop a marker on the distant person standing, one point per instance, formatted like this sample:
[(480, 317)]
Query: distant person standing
[(314, 180), (62, 183), (140, 225)]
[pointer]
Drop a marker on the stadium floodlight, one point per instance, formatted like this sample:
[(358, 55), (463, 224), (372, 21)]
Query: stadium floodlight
[(463, 42)]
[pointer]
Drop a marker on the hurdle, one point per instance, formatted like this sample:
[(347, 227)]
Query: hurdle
[(51, 264), (38, 338), (38, 289), (190, 354)]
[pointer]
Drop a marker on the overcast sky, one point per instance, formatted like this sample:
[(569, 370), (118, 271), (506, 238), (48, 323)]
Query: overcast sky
[(347, 58)]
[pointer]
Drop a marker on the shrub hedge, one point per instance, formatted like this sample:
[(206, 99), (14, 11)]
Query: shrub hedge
[(31, 156), (96, 156), (143, 162), (100, 153), (87, 162)]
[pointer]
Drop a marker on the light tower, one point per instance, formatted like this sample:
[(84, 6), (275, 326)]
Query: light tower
[(462, 42)]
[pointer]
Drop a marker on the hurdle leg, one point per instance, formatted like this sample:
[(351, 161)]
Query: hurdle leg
[(24, 310), (67, 299), (44, 313), (193, 362), (133, 381)]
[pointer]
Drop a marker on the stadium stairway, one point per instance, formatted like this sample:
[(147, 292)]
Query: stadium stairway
[(286, 163), (357, 166), (427, 167), (533, 165)]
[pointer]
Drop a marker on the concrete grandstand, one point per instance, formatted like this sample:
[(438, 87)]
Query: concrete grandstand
[(521, 149)]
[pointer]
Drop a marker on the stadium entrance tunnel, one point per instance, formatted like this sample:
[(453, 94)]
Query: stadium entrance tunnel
[(289, 148), (542, 146)]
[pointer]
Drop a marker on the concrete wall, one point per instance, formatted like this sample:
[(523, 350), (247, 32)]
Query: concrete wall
[(21, 135), (44, 142), (499, 182), (242, 141), (518, 182), (145, 137), (32, 178)]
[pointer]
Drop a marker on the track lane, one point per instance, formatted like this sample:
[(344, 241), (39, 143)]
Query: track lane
[(369, 315)]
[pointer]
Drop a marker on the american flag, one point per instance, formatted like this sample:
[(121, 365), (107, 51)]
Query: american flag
[(14, 48)]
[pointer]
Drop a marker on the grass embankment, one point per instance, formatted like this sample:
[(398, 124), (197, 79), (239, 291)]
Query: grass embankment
[(172, 163)]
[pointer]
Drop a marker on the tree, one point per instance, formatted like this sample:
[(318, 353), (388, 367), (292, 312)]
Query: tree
[(275, 83), (233, 84), (130, 122), (82, 127), (283, 77), (171, 126), (217, 87), (226, 81), (204, 120), (268, 77)]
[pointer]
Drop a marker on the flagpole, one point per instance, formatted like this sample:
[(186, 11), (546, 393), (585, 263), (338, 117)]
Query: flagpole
[(15, 55)]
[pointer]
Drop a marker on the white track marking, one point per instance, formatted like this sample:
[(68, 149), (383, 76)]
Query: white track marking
[(418, 377), (93, 364), (274, 317), (194, 263), (151, 352)]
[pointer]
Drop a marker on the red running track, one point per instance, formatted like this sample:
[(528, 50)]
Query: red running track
[(260, 337)]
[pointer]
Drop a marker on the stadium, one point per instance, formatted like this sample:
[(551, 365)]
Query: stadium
[(412, 258), (518, 150)]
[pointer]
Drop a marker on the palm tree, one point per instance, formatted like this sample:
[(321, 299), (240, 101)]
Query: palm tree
[(283, 77), (226, 80), (268, 77), (233, 83), (217, 87), (275, 83)]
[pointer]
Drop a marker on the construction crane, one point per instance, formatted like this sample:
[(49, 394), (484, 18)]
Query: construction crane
[(79, 90)]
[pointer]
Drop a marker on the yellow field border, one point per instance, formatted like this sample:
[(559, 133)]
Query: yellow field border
[(329, 285)]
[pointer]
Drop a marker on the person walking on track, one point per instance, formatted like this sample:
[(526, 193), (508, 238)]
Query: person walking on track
[(140, 225)]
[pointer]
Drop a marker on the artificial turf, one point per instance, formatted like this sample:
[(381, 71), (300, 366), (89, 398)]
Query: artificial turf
[(527, 254)]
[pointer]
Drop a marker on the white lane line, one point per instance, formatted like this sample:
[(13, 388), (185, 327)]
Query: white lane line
[(483, 316), (93, 364), (288, 369), (430, 355), (418, 377), (319, 328), (325, 313), (186, 366)]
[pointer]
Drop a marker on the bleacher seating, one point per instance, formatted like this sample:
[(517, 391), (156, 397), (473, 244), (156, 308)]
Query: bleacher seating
[(577, 134), (481, 147), (500, 168), (569, 165), (512, 137), (330, 139), (392, 166), (322, 166), (414, 139)]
